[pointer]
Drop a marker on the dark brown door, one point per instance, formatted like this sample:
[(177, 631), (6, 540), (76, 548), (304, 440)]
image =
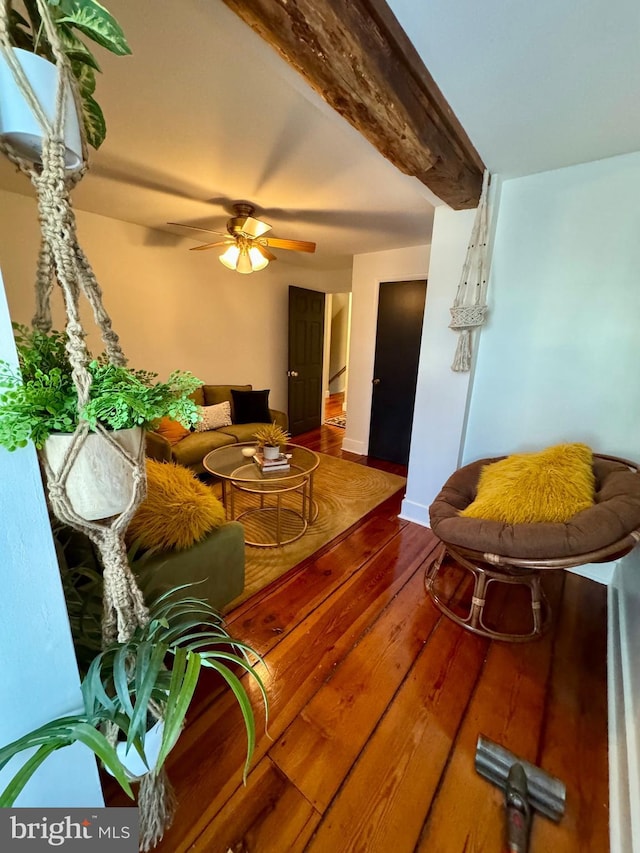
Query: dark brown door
[(395, 372), (306, 345)]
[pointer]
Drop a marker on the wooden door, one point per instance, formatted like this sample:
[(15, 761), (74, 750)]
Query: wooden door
[(306, 345), (395, 372)]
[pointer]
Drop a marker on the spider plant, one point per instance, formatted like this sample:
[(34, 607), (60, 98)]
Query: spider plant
[(128, 681)]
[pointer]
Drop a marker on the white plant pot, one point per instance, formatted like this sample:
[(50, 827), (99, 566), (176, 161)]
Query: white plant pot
[(100, 482), (270, 452), (134, 766), (18, 124)]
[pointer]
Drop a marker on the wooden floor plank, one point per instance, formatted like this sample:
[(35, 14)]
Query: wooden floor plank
[(268, 816), (319, 747), (382, 803), (272, 615), (508, 707)]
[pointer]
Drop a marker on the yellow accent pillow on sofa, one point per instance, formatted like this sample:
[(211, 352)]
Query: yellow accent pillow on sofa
[(178, 511), (552, 485)]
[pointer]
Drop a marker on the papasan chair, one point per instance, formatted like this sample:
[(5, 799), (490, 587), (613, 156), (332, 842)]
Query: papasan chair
[(498, 552)]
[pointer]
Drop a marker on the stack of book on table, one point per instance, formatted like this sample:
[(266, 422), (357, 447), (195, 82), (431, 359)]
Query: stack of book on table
[(280, 463)]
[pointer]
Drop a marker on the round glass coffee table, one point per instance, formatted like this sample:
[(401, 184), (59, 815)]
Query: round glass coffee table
[(270, 523)]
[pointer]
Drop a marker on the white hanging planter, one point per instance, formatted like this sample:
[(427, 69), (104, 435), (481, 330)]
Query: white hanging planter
[(100, 482), (18, 125), (134, 766)]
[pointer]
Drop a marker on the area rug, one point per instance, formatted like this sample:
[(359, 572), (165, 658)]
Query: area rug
[(339, 421), (344, 492)]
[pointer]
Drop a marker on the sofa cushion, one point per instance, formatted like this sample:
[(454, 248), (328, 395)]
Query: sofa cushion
[(221, 394), (192, 449), (177, 512), (551, 485), (213, 417), (198, 396), (242, 432), (251, 407)]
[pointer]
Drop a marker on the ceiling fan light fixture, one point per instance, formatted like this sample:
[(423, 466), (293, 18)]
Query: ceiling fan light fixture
[(258, 261), (244, 265), (230, 257)]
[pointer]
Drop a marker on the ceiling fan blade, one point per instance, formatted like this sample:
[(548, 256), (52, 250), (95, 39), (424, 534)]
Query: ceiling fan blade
[(294, 245), (255, 227), (264, 251), (212, 245), (196, 228)]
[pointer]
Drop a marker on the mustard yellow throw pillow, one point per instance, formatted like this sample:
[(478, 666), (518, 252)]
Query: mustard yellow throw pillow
[(552, 485), (178, 511)]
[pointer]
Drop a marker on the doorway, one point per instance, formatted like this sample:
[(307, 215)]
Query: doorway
[(306, 349), (395, 372)]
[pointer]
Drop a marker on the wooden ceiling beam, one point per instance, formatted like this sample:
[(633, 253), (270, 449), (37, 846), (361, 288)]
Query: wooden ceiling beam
[(355, 54)]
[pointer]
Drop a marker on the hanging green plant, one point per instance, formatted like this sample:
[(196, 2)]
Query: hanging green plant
[(40, 398), (75, 21)]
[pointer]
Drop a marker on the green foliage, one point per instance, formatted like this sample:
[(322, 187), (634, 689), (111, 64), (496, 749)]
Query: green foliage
[(271, 435), (41, 398), (126, 678), (72, 17)]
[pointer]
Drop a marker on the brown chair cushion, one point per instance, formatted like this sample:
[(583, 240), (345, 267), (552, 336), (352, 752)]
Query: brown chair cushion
[(615, 514)]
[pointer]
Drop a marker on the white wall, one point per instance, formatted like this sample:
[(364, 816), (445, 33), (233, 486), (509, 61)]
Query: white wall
[(441, 394), (558, 358), (368, 272), (172, 308), (39, 672)]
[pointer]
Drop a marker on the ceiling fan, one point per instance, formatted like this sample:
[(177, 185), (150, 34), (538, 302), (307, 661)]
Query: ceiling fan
[(248, 250)]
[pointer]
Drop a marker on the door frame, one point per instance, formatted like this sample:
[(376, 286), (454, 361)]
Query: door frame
[(326, 355)]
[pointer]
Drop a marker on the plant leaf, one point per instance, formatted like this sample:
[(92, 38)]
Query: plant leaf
[(148, 666), (245, 706), (17, 783), (184, 679), (101, 747), (96, 23), (95, 127)]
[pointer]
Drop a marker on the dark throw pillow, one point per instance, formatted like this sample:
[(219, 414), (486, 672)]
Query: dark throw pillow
[(251, 407)]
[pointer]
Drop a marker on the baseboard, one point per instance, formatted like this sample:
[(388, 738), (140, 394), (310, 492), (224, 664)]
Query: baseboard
[(353, 446), (418, 513), (624, 754)]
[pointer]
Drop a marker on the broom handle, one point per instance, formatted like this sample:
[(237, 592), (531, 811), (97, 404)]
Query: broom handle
[(518, 811)]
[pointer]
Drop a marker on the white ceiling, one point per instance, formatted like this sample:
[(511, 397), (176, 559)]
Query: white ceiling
[(205, 113), (537, 85)]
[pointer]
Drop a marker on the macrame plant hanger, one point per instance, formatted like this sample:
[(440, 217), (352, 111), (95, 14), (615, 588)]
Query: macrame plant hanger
[(62, 259), (469, 308)]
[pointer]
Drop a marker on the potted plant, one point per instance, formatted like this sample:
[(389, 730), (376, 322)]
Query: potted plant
[(127, 685), (74, 22), (270, 438), (39, 403)]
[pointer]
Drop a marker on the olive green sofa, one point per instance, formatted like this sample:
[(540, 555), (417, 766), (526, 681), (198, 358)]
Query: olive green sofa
[(191, 450)]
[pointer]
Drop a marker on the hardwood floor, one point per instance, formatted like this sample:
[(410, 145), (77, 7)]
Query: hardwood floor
[(376, 703)]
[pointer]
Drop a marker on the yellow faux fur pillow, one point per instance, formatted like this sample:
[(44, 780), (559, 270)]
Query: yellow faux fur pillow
[(178, 511), (552, 485)]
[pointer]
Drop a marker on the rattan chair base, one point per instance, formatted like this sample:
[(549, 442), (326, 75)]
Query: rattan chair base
[(485, 574)]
